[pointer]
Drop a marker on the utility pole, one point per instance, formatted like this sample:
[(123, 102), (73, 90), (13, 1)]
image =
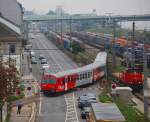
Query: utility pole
[(133, 39), (55, 23), (145, 84), (61, 25), (70, 29), (114, 38)]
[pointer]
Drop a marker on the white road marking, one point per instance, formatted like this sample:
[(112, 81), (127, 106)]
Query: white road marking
[(71, 114), (40, 104)]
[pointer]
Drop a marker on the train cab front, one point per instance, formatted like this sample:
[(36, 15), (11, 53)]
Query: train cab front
[(48, 84)]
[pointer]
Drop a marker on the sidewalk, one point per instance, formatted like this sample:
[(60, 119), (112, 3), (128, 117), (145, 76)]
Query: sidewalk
[(27, 110), (24, 116)]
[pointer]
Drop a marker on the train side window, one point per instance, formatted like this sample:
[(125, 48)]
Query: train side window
[(83, 76), (89, 75), (86, 75), (80, 76)]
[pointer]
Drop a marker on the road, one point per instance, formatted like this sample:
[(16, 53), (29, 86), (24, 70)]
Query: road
[(51, 108), (62, 108)]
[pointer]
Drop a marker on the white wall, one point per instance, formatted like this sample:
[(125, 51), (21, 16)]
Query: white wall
[(11, 10)]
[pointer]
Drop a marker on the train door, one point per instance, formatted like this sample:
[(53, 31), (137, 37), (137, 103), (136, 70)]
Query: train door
[(66, 83), (98, 73)]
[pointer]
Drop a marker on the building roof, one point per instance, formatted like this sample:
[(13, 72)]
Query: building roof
[(10, 25), (107, 112)]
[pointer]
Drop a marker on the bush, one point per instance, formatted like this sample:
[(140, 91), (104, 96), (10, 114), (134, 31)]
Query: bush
[(105, 99), (1, 103), (13, 98), (21, 87)]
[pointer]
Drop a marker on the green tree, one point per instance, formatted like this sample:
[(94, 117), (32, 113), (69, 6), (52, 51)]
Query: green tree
[(76, 47)]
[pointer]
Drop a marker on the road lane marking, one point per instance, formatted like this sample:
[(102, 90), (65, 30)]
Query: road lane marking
[(71, 113), (40, 104)]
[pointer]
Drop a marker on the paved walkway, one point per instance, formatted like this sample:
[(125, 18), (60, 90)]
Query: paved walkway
[(27, 109), (24, 116)]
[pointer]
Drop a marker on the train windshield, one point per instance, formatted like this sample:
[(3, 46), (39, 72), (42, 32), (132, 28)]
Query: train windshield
[(50, 81)]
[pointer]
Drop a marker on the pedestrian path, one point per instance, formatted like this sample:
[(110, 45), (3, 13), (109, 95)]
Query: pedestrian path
[(24, 116), (29, 99)]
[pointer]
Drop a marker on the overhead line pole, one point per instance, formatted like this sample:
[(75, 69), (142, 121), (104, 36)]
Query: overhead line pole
[(114, 38), (70, 29), (145, 84), (133, 39)]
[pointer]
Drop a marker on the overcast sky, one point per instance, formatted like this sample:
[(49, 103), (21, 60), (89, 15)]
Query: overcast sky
[(86, 6)]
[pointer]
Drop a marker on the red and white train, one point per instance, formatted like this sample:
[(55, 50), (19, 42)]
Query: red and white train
[(70, 79)]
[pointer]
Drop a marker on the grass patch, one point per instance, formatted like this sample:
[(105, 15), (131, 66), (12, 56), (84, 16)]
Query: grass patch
[(105, 98), (130, 113)]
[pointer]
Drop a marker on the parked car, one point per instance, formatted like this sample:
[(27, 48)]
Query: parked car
[(28, 47), (44, 61), (86, 100), (89, 95), (83, 102), (41, 57), (85, 112), (45, 66), (33, 60), (32, 54)]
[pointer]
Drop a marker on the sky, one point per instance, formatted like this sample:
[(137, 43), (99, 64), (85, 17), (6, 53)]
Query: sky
[(117, 7)]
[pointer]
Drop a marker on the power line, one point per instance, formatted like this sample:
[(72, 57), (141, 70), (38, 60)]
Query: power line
[(45, 49)]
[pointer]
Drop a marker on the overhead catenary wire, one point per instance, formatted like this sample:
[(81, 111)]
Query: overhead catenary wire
[(45, 49)]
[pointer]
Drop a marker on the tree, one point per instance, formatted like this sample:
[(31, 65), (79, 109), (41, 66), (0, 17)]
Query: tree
[(8, 79), (76, 47), (51, 12)]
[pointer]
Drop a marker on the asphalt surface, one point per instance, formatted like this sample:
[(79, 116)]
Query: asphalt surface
[(53, 109), (62, 108)]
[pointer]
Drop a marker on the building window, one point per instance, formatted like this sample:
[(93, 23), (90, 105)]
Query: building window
[(12, 48)]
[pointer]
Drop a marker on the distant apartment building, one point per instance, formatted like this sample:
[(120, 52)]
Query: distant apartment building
[(59, 11), (11, 39)]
